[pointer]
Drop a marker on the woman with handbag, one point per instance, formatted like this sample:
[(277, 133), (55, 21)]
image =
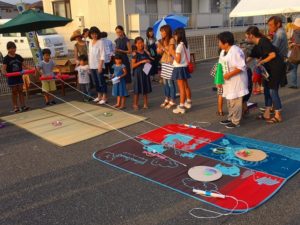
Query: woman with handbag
[(180, 73), (295, 53), (273, 63), (165, 47)]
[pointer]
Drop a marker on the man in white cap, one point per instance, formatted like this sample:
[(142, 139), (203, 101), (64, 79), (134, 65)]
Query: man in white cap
[(295, 40)]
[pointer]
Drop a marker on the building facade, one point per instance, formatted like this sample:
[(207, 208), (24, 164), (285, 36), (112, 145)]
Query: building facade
[(137, 15), (7, 11)]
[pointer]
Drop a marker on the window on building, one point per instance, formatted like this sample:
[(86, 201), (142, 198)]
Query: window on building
[(140, 6), (215, 6), (10, 35), (62, 8), (151, 6), (234, 3), (182, 6), (146, 6), (204, 6)]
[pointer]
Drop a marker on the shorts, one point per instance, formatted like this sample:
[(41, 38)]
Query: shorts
[(15, 80), (49, 85)]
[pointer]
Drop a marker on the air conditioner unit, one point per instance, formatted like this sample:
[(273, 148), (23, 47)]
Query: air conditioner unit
[(80, 21)]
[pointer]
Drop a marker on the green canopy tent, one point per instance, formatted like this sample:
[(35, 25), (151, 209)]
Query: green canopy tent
[(32, 20)]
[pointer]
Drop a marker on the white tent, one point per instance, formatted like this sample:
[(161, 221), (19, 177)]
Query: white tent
[(265, 7)]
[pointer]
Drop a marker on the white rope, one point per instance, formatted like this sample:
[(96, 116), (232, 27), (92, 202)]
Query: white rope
[(146, 121), (219, 214), (99, 120)]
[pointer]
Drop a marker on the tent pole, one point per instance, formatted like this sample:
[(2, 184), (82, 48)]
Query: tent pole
[(265, 24), (32, 39)]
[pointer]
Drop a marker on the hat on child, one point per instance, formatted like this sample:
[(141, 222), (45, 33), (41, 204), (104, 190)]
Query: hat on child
[(75, 35)]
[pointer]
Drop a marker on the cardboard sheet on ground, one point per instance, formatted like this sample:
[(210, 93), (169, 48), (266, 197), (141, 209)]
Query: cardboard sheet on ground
[(63, 125), (253, 182)]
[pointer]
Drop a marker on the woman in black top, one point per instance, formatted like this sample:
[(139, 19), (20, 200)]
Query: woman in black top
[(274, 64), (123, 47)]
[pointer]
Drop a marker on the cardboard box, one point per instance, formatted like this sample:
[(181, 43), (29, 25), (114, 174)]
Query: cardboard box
[(65, 65)]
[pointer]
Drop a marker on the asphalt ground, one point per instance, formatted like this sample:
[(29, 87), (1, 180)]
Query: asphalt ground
[(42, 184)]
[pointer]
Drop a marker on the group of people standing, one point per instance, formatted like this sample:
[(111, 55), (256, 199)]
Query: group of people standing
[(271, 55), (137, 64), (97, 57)]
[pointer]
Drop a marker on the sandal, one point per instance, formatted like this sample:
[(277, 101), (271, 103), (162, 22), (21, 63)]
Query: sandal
[(273, 120), (16, 109), (220, 113), (170, 105), (264, 109), (135, 107), (122, 107), (261, 117), (164, 104), (116, 106), (145, 107)]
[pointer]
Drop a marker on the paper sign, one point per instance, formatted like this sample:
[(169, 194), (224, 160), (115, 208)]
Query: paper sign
[(115, 80), (147, 68)]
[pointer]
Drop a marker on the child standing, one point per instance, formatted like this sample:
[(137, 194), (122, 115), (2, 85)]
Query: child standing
[(119, 88), (83, 77), (151, 50), (235, 80), (141, 80), (109, 55), (180, 72), (46, 69), (14, 63)]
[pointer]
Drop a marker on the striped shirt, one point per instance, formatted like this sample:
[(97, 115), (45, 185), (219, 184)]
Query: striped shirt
[(166, 71)]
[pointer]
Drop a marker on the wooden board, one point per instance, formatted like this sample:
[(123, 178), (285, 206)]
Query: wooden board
[(75, 126)]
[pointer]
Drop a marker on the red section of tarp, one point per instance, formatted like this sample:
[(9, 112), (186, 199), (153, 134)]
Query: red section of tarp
[(254, 190), (198, 137)]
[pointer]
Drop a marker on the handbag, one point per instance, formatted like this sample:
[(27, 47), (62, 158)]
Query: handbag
[(295, 55), (190, 66), (261, 70)]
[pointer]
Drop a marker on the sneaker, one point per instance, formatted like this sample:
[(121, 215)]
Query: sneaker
[(179, 110), (225, 122), (101, 102), (188, 105), (24, 108), (96, 100), (232, 125)]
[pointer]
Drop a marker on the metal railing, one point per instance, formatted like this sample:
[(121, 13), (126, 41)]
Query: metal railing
[(208, 20), (205, 47)]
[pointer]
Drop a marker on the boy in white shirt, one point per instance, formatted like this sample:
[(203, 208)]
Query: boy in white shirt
[(83, 77), (235, 75)]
